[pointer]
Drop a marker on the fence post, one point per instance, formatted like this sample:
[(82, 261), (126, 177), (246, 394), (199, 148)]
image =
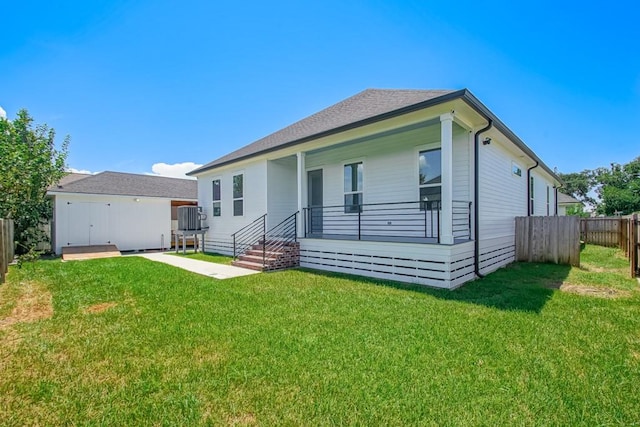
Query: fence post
[(635, 245), (3, 251)]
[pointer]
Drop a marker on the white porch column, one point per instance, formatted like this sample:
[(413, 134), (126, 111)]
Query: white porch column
[(446, 138), (302, 185)]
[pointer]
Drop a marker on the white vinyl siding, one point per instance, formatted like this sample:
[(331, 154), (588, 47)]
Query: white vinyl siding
[(282, 189), (391, 173), (218, 237), (503, 196)]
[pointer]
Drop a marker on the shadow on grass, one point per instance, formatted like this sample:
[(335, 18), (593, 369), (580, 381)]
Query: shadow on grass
[(520, 286)]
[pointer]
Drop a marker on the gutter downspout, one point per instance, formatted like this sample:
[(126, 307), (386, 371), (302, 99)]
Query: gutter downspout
[(529, 213), (476, 196), (555, 198)]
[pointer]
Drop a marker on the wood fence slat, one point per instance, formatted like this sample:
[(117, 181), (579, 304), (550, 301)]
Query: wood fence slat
[(6, 247), (548, 239)]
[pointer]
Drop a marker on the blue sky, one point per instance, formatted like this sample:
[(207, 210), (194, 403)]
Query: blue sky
[(139, 83)]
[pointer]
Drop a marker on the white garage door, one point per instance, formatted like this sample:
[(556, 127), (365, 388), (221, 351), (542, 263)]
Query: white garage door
[(88, 223)]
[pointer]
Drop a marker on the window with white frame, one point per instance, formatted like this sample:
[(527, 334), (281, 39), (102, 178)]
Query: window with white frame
[(217, 211), (353, 177), (548, 199), (430, 178), (532, 187), (238, 195)]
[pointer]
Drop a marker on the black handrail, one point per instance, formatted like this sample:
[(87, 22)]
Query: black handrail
[(248, 235), (281, 235), (411, 220), (255, 235)]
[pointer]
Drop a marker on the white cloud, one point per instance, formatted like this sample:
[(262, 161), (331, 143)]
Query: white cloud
[(176, 170), (74, 170), (3, 114)]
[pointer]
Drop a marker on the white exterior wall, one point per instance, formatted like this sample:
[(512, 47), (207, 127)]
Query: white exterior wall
[(541, 183), (282, 190), (503, 196), (218, 237), (390, 165), (442, 266), (130, 225)]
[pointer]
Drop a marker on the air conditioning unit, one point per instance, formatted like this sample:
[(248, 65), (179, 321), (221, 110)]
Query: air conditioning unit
[(190, 218)]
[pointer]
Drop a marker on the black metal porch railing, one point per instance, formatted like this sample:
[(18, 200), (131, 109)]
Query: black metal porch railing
[(255, 236), (282, 234), (416, 221), (245, 238)]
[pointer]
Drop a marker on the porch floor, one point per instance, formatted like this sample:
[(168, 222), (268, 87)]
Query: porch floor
[(369, 238)]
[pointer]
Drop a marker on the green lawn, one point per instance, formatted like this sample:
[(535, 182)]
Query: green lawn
[(131, 341)]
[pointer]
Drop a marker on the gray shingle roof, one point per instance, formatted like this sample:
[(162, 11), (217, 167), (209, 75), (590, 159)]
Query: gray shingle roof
[(361, 109), (128, 184), (365, 105), (69, 178)]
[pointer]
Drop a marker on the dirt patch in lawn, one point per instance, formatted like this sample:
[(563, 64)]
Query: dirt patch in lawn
[(243, 420), (33, 303), (99, 308), (592, 291)]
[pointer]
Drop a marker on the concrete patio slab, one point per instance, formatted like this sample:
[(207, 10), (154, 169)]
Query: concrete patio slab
[(210, 269), (74, 253)]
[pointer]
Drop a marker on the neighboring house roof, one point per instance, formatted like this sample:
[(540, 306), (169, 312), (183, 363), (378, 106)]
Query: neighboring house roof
[(69, 178), (368, 106), (565, 199), (128, 184)]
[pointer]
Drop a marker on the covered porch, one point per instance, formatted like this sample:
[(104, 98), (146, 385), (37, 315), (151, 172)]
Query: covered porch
[(409, 184)]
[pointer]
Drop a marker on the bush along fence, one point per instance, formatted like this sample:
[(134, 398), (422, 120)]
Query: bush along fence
[(623, 233), (553, 239), (6, 247)]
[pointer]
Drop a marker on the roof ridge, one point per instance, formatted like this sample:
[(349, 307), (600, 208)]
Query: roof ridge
[(141, 174)]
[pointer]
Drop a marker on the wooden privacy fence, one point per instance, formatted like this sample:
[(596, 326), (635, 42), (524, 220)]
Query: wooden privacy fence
[(623, 233), (553, 239), (6, 246), (610, 232)]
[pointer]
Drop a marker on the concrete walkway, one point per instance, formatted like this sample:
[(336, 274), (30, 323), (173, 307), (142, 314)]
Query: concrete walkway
[(218, 271)]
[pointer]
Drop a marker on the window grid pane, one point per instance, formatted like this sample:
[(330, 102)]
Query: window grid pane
[(216, 190), (238, 186), (238, 207), (430, 167)]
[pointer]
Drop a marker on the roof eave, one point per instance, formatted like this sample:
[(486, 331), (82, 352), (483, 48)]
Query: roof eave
[(411, 108), (464, 94), (475, 103)]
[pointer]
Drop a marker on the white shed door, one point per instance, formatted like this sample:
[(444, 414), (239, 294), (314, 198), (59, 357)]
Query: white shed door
[(88, 223)]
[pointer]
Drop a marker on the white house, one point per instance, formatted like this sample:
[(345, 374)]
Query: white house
[(565, 202), (419, 186), (132, 211)]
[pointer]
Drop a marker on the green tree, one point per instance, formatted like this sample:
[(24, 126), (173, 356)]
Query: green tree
[(577, 210), (29, 164), (619, 189), (579, 185)]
